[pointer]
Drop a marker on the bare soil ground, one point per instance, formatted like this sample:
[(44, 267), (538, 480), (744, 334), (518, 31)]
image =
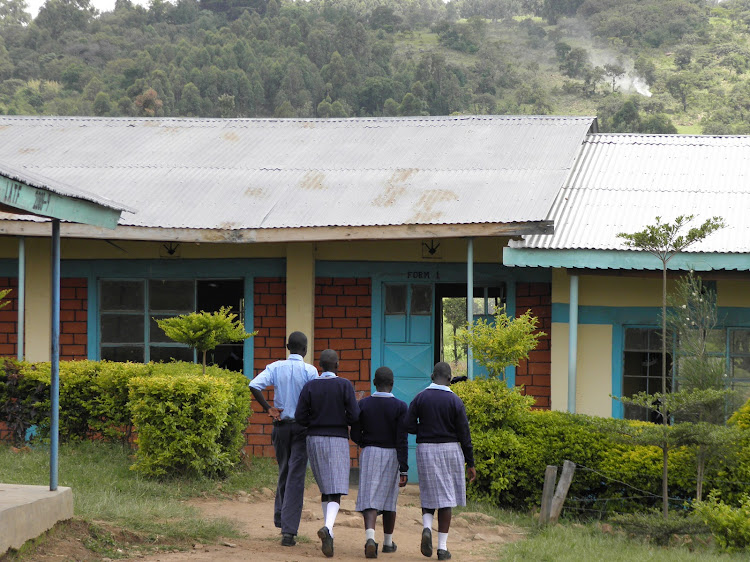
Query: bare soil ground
[(474, 537)]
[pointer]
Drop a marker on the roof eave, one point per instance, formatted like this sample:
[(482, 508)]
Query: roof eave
[(275, 235), (584, 259)]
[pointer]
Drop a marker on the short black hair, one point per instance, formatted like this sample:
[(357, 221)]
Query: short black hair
[(328, 359), (383, 377), (441, 371), (297, 342)]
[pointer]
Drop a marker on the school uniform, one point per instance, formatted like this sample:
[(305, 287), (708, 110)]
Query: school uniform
[(327, 407), (381, 434), (438, 417)]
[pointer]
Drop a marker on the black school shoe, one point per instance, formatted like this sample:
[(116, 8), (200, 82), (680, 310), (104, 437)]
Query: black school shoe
[(371, 549), (388, 548), (287, 539), (443, 554), (426, 546), (326, 541)]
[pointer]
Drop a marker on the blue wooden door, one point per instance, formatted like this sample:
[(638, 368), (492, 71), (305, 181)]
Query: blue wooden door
[(408, 343)]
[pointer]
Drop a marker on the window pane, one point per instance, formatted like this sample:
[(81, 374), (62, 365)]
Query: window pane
[(395, 299), (740, 341), (166, 354), (421, 299), (171, 295), (122, 295), (636, 339), (122, 328), (133, 353), (716, 341), (156, 334), (741, 367)]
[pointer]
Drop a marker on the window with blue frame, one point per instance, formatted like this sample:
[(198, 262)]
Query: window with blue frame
[(129, 308), (642, 367), (642, 364)]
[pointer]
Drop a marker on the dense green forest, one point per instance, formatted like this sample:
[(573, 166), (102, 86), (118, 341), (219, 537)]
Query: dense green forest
[(650, 66)]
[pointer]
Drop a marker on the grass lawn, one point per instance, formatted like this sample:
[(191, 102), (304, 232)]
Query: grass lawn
[(118, 511), (106, 491), (587, 543)]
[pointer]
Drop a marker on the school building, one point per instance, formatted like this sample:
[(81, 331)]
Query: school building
[(354, 231)]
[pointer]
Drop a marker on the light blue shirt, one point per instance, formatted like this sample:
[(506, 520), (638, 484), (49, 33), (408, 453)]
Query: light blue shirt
[(287, 378)]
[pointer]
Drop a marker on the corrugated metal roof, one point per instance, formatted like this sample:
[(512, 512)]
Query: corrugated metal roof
[(58, 187), (621, 183), (264, 173)]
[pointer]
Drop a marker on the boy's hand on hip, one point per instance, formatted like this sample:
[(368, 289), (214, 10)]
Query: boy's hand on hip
[(275, 413), (471, 473)]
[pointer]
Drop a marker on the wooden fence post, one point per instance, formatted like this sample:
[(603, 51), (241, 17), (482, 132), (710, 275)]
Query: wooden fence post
[(561, 492), (550, 475)]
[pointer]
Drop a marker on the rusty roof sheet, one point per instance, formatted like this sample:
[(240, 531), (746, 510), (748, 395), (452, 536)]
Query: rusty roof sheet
[(269, 173), (622, 182)]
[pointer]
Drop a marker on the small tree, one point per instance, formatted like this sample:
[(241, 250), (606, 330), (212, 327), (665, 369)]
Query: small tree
[(203, 331), (502, 343), (664, 241), (454, 311)]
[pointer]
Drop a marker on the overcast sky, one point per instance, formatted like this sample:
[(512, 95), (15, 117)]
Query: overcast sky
[(101, 5)]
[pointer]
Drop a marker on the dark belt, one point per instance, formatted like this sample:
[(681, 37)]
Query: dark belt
[(284, 421)]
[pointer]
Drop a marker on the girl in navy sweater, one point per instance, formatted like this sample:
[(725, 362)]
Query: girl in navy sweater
[(327, 407), (444, 448), (381, 433)]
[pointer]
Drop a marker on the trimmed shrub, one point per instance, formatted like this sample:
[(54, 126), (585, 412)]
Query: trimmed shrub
[(513, 445), (741, 418), (95, 402), (729, 525), (179, 420), (21, 399)]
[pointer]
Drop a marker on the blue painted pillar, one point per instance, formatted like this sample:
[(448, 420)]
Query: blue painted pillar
[(55, 357), (573, 344), (470, 302), (21, 296)]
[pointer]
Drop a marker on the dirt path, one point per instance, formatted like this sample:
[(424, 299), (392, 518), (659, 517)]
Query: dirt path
[(474, 537)]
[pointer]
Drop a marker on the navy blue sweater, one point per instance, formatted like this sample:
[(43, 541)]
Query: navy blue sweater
[(439, 416), (327, 406), (382, 423)]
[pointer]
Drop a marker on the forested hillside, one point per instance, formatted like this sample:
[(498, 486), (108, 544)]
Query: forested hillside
[(640, 65)]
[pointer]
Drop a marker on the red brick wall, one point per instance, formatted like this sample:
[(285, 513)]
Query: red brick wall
[(269, 345), (343, 317), (534, 374), (73, 319), (9, 318)]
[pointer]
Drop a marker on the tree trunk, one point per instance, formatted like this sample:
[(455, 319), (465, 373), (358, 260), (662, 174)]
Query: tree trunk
[(664, 413), (699, 473), (204, 361), (455, 345)]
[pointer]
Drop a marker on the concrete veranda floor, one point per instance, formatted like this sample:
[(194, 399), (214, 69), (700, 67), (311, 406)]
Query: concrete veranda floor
[(28, 511)]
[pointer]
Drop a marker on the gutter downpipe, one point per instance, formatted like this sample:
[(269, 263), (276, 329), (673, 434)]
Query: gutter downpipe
[(573, 344), (470, 303), (55, 357), (21, 296)]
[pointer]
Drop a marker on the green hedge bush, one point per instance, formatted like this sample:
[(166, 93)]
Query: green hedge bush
[(179, 421), (729, 525), (95, 402), (513, 445)]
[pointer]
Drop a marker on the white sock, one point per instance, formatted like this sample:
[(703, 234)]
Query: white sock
[(427, 520), (332, 511), (370, 534), (387, 539), (324, 505), (442, 541)]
